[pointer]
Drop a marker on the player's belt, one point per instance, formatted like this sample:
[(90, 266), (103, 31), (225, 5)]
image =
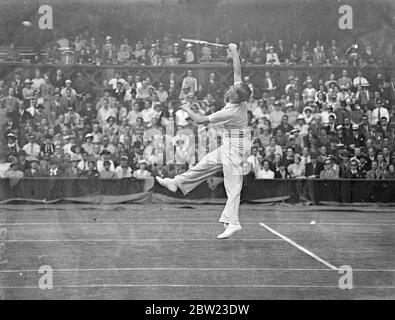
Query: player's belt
[(239, 134)]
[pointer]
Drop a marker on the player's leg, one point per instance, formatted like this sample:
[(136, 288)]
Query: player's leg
[(233, 182), (210, 164)]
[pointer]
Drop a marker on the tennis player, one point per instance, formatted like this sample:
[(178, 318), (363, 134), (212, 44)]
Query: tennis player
[(229, 156)]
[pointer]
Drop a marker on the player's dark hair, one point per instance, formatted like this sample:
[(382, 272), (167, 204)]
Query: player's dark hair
[(244, 92)]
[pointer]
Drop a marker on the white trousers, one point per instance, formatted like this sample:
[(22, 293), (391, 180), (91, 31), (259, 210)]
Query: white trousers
[(229, 158)]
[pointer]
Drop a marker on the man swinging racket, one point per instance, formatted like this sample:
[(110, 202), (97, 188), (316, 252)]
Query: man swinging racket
[(228, 157)]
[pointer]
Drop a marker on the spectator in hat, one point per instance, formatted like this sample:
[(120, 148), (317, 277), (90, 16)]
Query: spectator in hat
[(123, 170), (276, 116), (68, 100), (282, 172), (73, 171), (27, 91), (12, 148), (272, 57), (34, 170), (142, 172), (109, 51), (301, 126), (189, 56), (68, 87), (314, 167), (357, 139)]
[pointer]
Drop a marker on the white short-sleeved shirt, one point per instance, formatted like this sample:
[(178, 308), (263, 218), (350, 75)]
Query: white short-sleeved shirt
[(232, 116)]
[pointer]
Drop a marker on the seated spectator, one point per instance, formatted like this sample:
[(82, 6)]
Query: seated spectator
[(107, 172), (297, 169), (375, 172), (142, 172), (73, 171), (91, 172), (272, 57), (32, 148), (263, 170), (329, 172), (391, 172), (34, 170)]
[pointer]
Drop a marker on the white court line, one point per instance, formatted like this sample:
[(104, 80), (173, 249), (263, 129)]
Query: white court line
[(187, 269), (196, 286), (133, 240), (300, 247), (190, 223)]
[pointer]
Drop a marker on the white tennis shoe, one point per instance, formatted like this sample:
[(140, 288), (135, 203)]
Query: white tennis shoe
[(231, 229), (168, 183)]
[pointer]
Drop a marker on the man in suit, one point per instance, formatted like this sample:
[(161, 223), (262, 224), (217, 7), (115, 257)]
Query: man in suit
[(282, 52), (314, 167), (73, 171), (329, 172), (68, 100), (34, 170), (375, 172), (58, 80), (357, 139), (11, 101), (352, 172)]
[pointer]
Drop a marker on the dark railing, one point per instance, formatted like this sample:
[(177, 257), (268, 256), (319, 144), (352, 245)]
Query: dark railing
[(121, 190)]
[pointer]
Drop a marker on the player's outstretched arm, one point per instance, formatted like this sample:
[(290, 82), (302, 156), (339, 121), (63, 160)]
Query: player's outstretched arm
[(236, 62), (198, 118)]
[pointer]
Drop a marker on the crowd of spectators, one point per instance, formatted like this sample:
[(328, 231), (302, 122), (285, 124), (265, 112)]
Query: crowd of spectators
[(340, 127), (170, 50)]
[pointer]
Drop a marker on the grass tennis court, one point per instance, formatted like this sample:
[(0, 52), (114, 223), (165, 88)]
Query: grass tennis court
[(171, 252)]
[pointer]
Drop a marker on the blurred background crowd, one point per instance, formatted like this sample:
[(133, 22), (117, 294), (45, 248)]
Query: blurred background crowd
[(339, 127)]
